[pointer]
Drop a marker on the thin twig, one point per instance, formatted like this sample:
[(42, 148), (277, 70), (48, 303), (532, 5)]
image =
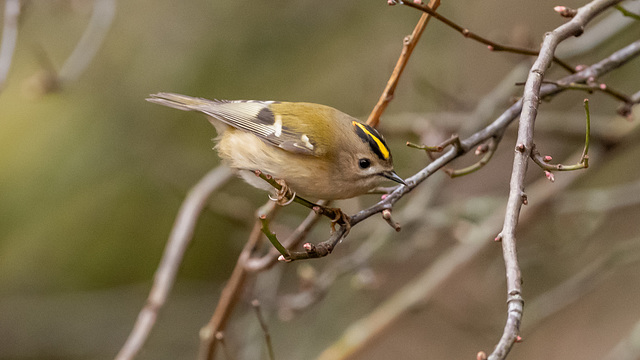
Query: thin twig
[(490, 44), (268, 260), (583, 163), (179, 240), (265, 329), (490, 149), (272, 237), (408, 44), (9, 38)]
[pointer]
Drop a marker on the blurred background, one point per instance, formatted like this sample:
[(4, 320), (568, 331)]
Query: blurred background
[(92, 176)]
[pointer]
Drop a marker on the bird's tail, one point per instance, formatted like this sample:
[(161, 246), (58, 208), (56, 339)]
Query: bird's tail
[(180, 102)]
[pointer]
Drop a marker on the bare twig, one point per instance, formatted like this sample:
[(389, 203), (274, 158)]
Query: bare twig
[(9, 38), (259, 264), (408, 44), (488, 154), (179, 240), (490, 44), (272, 237), (265, 329), (583, 163), (531, 99)]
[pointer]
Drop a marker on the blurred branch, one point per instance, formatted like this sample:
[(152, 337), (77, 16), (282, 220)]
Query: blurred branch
[(9, 38), (179, 240), (231, 292), (627, 13), (265, 329), (103, 13), (584, 281), (628, 348), (408, 44), (517, 196), (601, 200)]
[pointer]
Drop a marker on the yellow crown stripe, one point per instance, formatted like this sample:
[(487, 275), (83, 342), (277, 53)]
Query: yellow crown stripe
[(383, 149)]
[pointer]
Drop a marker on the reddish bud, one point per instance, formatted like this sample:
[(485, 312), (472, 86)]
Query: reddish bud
[(481, 355), (549, 175), (519, 339), (547, 158), (603, 86), (580, 67), (565, 11), (481, 149)]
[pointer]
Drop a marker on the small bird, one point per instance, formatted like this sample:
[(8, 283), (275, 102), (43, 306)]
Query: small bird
[(316, 150)]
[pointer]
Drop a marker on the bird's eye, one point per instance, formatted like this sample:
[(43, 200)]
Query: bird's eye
[(364, 163)]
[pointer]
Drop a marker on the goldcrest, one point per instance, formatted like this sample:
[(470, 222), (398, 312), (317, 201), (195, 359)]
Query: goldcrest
[(318, 151)]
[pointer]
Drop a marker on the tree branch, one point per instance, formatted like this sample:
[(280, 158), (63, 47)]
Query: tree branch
[(524, 143)]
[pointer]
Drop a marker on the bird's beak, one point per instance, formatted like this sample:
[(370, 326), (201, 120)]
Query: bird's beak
[(391, 175)]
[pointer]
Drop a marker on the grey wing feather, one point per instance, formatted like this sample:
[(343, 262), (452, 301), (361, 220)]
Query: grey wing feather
[(251, 116)]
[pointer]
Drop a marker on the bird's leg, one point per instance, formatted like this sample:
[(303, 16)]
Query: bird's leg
[(284, 195), (336, 215)]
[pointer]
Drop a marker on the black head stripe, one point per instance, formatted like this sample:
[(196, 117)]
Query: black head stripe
[(373, 138)]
